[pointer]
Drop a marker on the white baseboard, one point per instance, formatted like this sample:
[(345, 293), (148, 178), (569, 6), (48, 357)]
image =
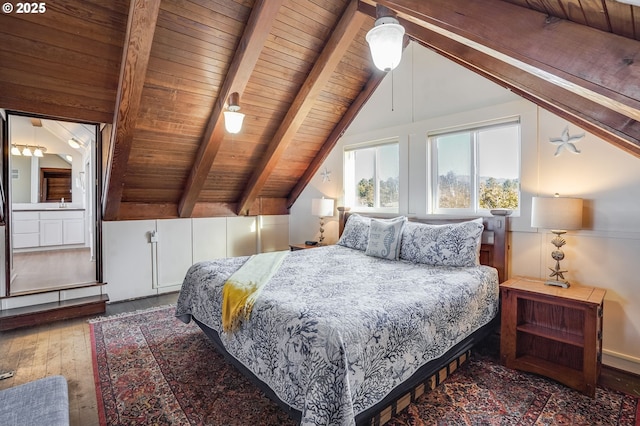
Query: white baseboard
[(621, 361)]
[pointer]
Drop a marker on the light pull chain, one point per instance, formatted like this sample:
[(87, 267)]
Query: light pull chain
[(392, 98)]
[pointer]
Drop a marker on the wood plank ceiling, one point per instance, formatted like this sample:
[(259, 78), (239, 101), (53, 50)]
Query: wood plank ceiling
[(159, 74)]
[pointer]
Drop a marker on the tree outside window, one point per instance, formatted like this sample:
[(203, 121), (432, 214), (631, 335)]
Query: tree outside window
[(477, 169), (372, 177)]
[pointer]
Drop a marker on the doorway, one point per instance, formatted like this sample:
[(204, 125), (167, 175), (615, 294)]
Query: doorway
[(52, 233)]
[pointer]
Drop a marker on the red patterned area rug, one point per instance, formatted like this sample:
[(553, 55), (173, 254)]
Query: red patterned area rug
[(150, 368)]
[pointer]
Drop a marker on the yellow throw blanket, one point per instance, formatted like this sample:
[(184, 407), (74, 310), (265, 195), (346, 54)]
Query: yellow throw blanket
[(243, 287)]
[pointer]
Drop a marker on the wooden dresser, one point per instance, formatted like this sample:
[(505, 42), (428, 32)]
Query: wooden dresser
[(553, 331)]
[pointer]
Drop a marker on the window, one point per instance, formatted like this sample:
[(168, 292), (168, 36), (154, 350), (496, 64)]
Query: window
[(371, 177), (476, 169)]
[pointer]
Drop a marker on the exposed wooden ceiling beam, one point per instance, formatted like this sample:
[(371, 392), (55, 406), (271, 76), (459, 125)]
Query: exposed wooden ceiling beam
[(336, 134), (341, 38), (141, 25), (548, 61), (563, 106), (255, 34)]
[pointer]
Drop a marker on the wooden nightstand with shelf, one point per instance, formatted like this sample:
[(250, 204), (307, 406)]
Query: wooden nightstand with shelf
[(552, 331)]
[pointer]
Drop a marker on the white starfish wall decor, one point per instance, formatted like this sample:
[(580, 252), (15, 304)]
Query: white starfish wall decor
[(566, 141), (326, 175)]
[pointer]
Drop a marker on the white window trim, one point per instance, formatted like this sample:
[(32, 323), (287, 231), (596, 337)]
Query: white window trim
[(348, 174), (432, 151)]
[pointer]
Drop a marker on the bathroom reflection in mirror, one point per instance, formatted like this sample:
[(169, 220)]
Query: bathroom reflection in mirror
[(40, 179)]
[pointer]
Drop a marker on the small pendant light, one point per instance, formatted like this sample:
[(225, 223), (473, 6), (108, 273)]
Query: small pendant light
[(232, 118)]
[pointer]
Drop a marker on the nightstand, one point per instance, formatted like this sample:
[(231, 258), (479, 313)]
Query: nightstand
[(295, 247), (552, 331)]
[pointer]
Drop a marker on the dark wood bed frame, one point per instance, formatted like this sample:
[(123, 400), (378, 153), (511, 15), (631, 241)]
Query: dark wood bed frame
[(493, 253)]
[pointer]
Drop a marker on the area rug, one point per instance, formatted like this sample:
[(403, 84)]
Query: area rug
[(150, 368)]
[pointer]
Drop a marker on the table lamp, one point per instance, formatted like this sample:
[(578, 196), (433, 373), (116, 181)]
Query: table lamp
[(322, 207), (559, 214)]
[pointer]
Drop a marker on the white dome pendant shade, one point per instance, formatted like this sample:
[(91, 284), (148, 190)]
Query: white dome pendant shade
[(233, 121), (385, 41), (232, 118)]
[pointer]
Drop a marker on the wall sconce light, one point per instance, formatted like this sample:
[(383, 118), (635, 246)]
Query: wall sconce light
[(322, 207), (385, 40), (15, 150), (26, 151), (232, 118), (558, 214)]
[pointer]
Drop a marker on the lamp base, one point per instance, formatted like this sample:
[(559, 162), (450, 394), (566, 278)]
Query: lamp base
[(557, 283)]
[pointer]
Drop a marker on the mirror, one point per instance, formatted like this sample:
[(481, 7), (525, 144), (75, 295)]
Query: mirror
[(45, 179), (55, 185)]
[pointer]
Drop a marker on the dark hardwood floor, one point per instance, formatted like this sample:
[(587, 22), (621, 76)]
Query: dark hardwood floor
[(620, 380)]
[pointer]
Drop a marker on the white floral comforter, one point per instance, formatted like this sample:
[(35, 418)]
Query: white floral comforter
[(334, 331)]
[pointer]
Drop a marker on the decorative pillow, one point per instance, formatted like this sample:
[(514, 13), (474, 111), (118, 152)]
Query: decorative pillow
[(356, 233), (455, 244), (384, 238)]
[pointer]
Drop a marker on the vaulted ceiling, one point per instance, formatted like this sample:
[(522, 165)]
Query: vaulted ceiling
[(159, 73)]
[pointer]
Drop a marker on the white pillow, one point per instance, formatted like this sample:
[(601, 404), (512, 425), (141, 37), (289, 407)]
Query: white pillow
[(454, 244), (384, 238)]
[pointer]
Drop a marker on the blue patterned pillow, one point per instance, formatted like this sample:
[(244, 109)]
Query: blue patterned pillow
[(356, 233), (455, 244), (384, 238)]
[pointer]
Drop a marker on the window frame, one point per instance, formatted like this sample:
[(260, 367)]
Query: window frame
[(474, 173), (368, 145)]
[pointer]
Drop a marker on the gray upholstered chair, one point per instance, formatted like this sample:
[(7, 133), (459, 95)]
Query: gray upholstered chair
[(41, 402)]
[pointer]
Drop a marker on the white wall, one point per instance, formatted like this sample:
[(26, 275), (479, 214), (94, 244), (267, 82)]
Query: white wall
[(135, 266), (431, 93)]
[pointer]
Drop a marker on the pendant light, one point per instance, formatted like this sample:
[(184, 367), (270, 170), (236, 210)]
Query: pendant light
[(232, 118), (385, 40)]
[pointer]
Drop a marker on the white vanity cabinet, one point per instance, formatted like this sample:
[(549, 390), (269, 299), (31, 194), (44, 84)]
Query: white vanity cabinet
[(50, 232), (47, 228), (26, 229)]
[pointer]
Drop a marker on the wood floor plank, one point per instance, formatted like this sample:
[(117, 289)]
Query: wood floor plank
[(38, 367), (54, 349)]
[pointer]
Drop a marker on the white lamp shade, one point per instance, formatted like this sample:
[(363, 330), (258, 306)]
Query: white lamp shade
[(322, 207), (15, 150), (26, 151), (233, 121), (558, 213), (38, 152), (385, 42)]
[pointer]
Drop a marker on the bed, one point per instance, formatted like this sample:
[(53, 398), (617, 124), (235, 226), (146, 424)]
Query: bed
[(341, 335)]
